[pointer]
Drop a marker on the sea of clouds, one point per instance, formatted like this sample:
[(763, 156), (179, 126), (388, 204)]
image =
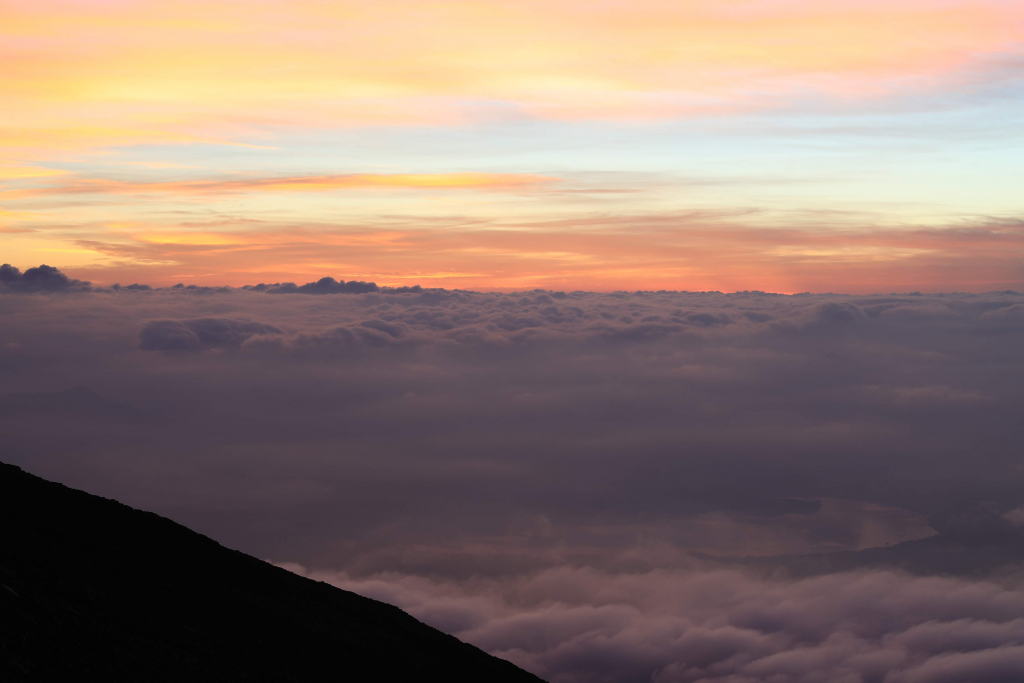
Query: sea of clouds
[(573, 480), (577, 625)]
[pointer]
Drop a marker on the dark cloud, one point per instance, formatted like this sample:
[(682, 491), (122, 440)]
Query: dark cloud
[(326, 285), (200, 333), (39, 279), (838, 312), (9, 274)]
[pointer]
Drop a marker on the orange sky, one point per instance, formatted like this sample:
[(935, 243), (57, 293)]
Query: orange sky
[(837, 145)]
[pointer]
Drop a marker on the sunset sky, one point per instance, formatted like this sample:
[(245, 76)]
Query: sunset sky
[(780, 145), (696, 348)]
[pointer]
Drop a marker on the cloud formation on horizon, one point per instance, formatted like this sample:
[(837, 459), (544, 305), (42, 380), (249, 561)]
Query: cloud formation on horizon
[(42, 278)]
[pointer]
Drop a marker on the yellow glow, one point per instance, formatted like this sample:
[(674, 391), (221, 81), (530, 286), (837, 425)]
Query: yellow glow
[(314, 63), (856, 253), (155, 164), (22, 172), (477, 181), (201, 239), (5, 213)]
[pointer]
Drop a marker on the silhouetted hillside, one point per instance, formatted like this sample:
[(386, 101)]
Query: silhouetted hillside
[(91, 589)]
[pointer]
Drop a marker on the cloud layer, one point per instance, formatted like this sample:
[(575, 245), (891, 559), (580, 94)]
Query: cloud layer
[(572, 480), (436, 430), (698, 626)]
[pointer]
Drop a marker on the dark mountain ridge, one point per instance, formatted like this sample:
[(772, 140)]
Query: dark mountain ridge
[(91, 589)]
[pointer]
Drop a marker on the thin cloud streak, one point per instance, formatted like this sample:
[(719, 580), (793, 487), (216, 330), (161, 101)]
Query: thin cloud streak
[(326, 183)]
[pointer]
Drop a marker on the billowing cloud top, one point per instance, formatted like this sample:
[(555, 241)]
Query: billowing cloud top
[(40, 279), (582, 626)]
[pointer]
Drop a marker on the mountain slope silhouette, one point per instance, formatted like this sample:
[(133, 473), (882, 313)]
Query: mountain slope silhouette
[(91, 589)]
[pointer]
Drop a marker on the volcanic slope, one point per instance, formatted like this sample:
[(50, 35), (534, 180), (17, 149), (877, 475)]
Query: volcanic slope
[(91, 589)]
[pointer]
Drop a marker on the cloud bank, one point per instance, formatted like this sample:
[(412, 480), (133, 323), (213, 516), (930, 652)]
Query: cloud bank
[(598, 486), (195, 335), (585, 626)]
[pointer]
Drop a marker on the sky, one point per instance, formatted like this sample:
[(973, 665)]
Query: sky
[(779, 145), (632, 342)]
